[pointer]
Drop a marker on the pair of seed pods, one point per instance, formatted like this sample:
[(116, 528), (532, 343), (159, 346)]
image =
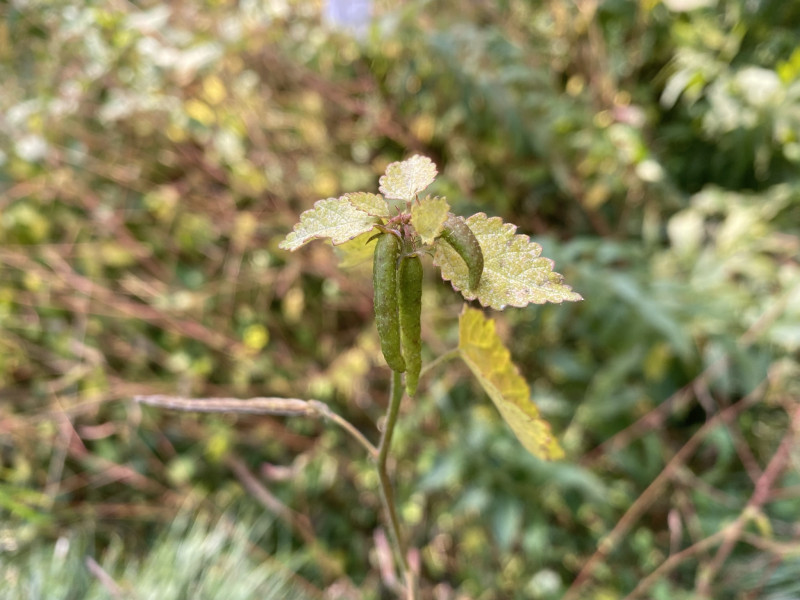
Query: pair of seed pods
[(397, 283)]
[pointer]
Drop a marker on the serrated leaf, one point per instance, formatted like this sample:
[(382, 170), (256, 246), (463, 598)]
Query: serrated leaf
[(372, 204), (428, 216), (356, 251), (334, 218), (490, 361), (405, 179), (514, 272)]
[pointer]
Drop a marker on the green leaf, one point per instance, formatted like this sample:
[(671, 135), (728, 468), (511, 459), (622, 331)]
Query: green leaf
[(490, 361), (24, 503), (334, 218), (372, 204), (428, 216), (506, 517), (404, 180), (514, 273)]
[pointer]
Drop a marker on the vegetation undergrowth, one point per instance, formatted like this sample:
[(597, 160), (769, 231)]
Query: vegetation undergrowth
[(153, 156)]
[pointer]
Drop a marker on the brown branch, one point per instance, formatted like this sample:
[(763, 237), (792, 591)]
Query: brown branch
[(673, 562), (734, 532), (299, 523), (761, 494), (104, 578), (258, 406), (655, 489), (98, 293)]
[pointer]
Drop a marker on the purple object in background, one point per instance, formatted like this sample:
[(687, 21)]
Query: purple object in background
[(353, 15)]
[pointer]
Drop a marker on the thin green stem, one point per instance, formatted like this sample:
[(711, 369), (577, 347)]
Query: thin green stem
[(326, 412), (387, 496), (454, 353)]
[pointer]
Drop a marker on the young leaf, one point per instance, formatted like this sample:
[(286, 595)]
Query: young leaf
[(372, 204), (514, 273), (334, 218), (403, 180), (428, 216), (356, 251), (483, 352)]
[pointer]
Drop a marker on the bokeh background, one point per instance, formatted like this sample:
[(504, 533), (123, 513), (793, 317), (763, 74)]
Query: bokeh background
[(154, 154)]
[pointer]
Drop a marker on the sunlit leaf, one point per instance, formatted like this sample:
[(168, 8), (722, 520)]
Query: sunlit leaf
[(427, 217), (514, 272), (334, 218), (255, 336), (403, 180), (490, 362), (372, 204)]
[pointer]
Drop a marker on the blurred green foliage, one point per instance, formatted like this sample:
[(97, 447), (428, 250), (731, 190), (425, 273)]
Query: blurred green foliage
[(190, 559), (153, 155)]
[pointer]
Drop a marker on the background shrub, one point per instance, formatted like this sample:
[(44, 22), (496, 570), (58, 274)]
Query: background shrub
[(153, 155)]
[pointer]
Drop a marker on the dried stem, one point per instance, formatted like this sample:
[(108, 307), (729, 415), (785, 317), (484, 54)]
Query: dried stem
[(104, 578), (258, 406), (314, 408)]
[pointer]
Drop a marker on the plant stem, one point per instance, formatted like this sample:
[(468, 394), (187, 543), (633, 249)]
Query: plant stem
[(454, 353), (387, 496), (259, 406), (326, 412)]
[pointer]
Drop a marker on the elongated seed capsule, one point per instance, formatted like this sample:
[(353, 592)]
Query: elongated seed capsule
[(409, 292), (387, 314), (457, 233)]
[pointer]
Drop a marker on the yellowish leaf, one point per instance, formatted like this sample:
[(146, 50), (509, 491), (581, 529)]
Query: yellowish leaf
[(372, 204), (427, 217), (490, 361), (356, 252), (200, 112), (255, 336), (214, 90)]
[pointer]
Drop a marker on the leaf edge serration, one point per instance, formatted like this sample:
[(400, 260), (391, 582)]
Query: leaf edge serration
[(564, 293), (405, 170), (367, 222)]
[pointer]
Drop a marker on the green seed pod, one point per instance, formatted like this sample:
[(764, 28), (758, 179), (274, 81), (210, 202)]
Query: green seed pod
[(409, 293), (457, 233), (387, 312)]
